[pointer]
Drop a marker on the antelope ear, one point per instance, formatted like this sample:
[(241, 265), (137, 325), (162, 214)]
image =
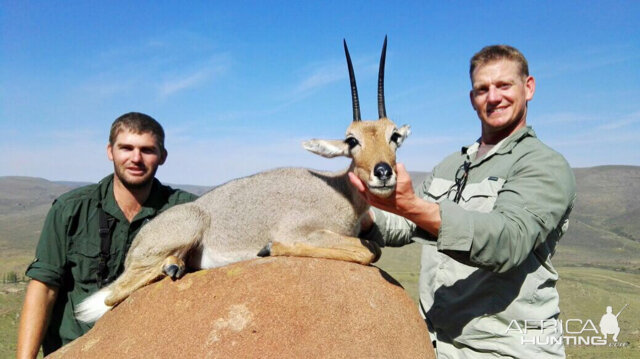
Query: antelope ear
[(327, 148), (404, 132)]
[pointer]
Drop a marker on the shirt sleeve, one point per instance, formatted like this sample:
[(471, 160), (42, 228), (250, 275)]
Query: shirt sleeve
[(532, 206), (392, 230), (186, 197), (51, 256)]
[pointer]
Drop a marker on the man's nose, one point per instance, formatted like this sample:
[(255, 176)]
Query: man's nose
[(136, 156), (494, 95)]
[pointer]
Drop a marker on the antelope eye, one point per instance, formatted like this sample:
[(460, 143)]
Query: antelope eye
[(395, 137), (352, 142)]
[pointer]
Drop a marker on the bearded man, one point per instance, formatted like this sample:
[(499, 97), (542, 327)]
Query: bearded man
[(88, 231)]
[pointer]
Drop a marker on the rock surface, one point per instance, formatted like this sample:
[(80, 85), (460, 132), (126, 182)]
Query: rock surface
[(277, 307)]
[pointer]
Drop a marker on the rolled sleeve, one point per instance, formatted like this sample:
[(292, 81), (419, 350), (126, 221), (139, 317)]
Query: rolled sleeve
[(534, 201), (49, 263), (456, 228), (390, 230), (46, 273)]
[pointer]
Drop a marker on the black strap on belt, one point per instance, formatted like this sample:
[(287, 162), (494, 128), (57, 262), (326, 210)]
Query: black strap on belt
[(106, 224)]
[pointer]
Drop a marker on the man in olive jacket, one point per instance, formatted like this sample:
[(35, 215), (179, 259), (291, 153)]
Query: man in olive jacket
[(73, 258), (489, 219)]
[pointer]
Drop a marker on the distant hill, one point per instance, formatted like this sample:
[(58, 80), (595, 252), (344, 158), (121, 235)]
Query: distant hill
[(603, 231), (26, 193)]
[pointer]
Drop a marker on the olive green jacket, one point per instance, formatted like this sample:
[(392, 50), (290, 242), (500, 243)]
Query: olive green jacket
[(502, 232), (68, 252)]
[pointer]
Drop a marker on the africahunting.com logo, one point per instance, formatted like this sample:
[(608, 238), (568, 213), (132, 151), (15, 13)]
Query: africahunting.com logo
[(570, 331)]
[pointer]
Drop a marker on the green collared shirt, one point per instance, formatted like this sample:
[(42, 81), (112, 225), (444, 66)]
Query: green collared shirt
[(68, 252), (512, 211)]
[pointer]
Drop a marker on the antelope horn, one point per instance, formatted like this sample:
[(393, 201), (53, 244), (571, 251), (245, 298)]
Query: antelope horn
[(382, 112), (354, 88)]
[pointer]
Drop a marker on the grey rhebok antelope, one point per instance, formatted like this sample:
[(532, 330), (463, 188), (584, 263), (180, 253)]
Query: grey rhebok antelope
[(282, 212)]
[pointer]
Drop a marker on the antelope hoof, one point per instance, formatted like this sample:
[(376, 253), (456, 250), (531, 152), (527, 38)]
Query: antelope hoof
[(375, 249), (173, 267), (265, 251), (172, 270)]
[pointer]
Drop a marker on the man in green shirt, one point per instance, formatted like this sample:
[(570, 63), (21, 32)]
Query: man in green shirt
[(489, 219), (88, 231)]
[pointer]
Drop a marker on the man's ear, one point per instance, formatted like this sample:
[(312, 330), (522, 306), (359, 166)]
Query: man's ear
[(530, 87), (109, 152), (163, 156), (327, 148)]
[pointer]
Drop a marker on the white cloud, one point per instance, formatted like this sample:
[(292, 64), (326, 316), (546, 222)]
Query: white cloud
[(580, 60), (320, 77), (564, 118), (624, 122), (184, 82)]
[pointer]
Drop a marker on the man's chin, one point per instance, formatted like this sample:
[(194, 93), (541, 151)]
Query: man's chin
[(136, 182)]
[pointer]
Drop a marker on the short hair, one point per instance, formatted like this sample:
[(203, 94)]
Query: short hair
[(138, 123), (498, 52)]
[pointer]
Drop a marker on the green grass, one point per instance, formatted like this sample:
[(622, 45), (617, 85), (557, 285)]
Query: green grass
[(585, 292), (11, 297)]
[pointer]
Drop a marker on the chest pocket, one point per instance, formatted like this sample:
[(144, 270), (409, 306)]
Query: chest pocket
[(479, 196), (439, 189), (83, 257), (84, 253)]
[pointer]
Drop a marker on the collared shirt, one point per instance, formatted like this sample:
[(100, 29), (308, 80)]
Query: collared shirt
[(68, 252), (512, 208)]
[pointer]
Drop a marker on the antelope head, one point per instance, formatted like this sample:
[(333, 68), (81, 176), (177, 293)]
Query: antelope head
[(371, 145)]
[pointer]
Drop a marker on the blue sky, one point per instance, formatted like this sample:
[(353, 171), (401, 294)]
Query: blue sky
[(239, 85)]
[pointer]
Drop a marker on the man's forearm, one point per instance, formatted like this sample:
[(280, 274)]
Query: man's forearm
[(38, 303), (425, 215)]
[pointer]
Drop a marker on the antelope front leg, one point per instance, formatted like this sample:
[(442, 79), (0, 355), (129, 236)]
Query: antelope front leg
[(327, 244)]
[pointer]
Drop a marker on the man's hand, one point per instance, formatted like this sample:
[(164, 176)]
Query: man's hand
[(403, 201)]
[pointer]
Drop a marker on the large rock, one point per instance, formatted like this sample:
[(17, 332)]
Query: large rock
[(265, 308)]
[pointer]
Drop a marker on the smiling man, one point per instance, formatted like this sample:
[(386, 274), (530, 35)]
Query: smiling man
[(489, 219), (88, 231)]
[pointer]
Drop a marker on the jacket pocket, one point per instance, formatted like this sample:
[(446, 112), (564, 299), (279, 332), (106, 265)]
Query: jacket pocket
[(84, 256), (439, 189), (481, 196)]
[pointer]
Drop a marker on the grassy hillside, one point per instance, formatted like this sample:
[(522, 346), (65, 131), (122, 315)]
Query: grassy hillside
[(585, 292), (608, 198), (11, 296), (24, 202)]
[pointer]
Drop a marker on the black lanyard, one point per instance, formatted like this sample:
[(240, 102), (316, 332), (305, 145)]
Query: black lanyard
[(106, 225)]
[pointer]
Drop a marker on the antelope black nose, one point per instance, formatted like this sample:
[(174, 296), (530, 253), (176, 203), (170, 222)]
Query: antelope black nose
[(382, 171)]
